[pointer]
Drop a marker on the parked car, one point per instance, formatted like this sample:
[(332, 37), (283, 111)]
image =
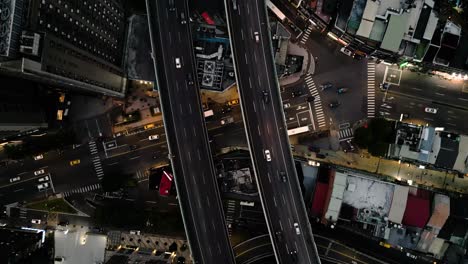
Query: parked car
[(43, 179), (430, 110), (286, 105), (39, 172), (310, 99), (326, 85), (177, 63), (43, 186), (36, 221)]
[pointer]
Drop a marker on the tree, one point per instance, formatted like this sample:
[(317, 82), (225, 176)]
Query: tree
[(114, 181), (361, 137), (375, 136)]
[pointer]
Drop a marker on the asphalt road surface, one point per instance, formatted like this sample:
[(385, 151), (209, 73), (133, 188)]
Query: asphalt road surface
[(411, 98), (188, 142), (266, 132)]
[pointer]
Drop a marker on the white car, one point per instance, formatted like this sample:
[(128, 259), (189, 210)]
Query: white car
[(177, 63), (43, 179), (267, 155), (43, 186), (39, 172), (296, 226), (36, 221), (286, 106), (15, 179), (430, 110), (256, 36), (314, 163), (153, 137), (346, 51), (38, 157)]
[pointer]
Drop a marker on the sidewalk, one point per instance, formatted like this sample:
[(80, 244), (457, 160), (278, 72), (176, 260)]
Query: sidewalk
[(308, 66), (390, 170)]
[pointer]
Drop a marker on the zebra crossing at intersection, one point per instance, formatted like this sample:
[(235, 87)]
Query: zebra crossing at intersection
[(371, 89), (319, 115), (83, 189)]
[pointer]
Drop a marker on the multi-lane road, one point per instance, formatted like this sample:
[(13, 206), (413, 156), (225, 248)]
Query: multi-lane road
[(410, 93), (266, 132), (186, 132)]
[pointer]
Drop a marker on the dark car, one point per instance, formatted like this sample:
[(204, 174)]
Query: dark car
[(320, 156), (133, 147), (310, 99), (334, 104), (283, 176), (326, 85), (266, 97), (293, 254), (189, 79), (279, 235), (180, 260), (342, 90), (296, 93), (314, 149)]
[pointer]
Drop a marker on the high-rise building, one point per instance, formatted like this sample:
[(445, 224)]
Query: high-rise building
[(72, 44), (18, 244)]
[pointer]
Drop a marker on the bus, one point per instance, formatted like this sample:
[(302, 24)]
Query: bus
[(298, 130), (275, 10)]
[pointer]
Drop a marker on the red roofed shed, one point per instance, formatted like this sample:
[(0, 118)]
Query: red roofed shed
[(417, 212)]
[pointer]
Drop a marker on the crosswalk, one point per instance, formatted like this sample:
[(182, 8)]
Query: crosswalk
[(306, 35), (230, 213), (83, 189), (371, 89), (142, 174), (320, 116), (345, 134), (96, 160)]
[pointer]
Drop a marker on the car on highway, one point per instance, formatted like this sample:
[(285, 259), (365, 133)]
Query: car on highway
[(153, 137), (267, 155), (38, 157), (342, 90), (43, 179), (39, 172), (430, 110), (177, 63), (283, 176), (36, 221), (296, 93), (182, 18), (43, 186), (296, 227), (409, 255), (334, 104), (325, 86), (189, 79), (266, 97), (293, 254), (256, 36), (286, 105), (75, 162), (15, 179)]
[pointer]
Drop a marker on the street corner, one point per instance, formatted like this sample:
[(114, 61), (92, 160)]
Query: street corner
[(392, 76)]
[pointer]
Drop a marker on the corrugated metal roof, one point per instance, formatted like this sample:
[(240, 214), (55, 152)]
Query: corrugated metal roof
[(395, 31), (399, 199)]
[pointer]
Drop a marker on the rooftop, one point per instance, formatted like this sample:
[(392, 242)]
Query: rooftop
[(78, 246)]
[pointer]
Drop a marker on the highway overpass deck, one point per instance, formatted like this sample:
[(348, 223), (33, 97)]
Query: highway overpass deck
[(261, 105), (186, 132)]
